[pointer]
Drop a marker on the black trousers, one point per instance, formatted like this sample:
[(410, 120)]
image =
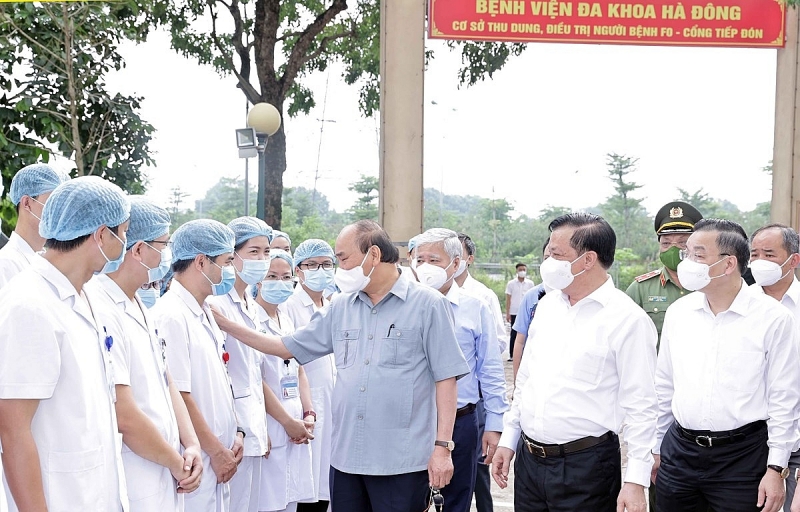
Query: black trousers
[(693, 478), (369, 493), (512, 338), (458, 493), (483, 482), (589, 480)]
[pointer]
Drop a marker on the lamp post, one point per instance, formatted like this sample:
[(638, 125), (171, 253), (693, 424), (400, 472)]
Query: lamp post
[(266, 121)]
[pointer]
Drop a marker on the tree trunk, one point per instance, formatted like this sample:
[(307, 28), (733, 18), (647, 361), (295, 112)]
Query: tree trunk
[(69, 33), (275, 157)]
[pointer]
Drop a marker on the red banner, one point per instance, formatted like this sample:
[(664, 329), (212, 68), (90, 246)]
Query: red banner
[(738, 23)]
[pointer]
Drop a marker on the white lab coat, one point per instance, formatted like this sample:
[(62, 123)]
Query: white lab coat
[(139, 362), (195, 346), (15, 257), (287, 475), (321, 375), (248, 398), (52, 349)]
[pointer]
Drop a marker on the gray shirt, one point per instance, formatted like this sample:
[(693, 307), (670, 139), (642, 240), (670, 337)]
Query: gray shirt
[(389, 358)]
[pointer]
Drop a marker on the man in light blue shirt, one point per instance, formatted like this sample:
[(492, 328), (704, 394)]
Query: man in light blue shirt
[(397, 357), (436, 261)]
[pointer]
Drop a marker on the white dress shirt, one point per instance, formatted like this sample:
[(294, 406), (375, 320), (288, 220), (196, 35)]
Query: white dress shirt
[(480, 290), (15, 256), (722, 372), (587, 369), (516, 289)]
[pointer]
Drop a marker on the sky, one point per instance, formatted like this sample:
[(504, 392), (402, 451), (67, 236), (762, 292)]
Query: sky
[(537, 134)]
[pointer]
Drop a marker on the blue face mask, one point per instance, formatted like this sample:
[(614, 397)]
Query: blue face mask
[(276, 292), (253, 271), (112, 265), (158, 273), (226, 284), (317, 280), (148, 296)]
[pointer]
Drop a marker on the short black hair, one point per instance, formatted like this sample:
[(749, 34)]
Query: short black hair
[(592, 233), (546, 243), (179, 267), (369, 233), (791, 240), (71, 245), (469, 245), (520, 264), (731, 239)]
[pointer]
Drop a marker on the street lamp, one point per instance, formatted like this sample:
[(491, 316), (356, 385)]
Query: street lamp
[(266, 121)]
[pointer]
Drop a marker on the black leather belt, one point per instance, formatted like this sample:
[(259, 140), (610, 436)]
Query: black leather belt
[(469, 408), (707, 438), (559, 450)]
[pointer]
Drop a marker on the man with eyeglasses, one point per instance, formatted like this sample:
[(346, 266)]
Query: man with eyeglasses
[(29, 191), (152, 417), (727, 384), (674, 223), (313, 260)]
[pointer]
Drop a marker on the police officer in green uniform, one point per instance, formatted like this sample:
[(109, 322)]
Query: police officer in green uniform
[(656, 290)]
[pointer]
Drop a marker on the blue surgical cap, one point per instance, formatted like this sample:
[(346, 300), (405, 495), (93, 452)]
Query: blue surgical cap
[(245, 228), (201, 236), (35, 180), (312, 248), (79, 207), (148, 221), (285, 256), (281, 234), (412, 243)]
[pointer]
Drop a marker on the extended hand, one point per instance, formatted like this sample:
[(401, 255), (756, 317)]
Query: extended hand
[(193, 464), (631, 498), (238, 447), (489, 445), (224, 465), (440, 468), (771, 492), (656, 465)]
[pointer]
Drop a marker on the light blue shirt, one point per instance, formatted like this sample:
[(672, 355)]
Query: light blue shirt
[(477, 337), (526, 307), (389, 357)]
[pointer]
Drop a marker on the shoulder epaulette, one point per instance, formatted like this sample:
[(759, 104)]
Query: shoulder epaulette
[(649, 275)]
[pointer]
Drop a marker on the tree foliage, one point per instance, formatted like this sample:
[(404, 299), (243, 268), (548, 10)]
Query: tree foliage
[(366, 206), (53, 63)]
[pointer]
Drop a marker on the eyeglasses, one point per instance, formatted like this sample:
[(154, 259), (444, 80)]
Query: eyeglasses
[(315, 266), (165, 242), (155, 284), (686, 255), (666, 245)]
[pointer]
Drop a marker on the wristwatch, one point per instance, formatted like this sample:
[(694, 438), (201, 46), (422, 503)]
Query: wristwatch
[(784, 472), (450, 445)]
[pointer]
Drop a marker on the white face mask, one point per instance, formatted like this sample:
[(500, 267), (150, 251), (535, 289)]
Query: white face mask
[(432, 275), (557, 274), (353, 280), (767, 273), (522, 274), (694, 276), (462, 266)]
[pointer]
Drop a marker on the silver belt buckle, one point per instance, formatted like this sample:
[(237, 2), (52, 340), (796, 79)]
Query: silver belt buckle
[(707, 438), (535, 449)]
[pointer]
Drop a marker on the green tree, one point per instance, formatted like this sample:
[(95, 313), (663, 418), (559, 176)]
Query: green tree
[(53, 63), (366, 206)]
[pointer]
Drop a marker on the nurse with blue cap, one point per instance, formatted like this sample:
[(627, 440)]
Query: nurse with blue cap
[(30, 188), (152, 416), (57, 422), (197, 357), (251, 250), (314, 265)]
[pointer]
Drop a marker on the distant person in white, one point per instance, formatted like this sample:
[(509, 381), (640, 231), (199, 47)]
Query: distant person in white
[(30, 188), (152, 417), (287, 475), (774, 257), (61, 446), (515, 290), (587, 367), (728, 384), (313, 260)]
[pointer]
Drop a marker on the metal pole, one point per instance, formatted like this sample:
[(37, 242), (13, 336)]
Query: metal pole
[(246, 187), (262, 175)]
